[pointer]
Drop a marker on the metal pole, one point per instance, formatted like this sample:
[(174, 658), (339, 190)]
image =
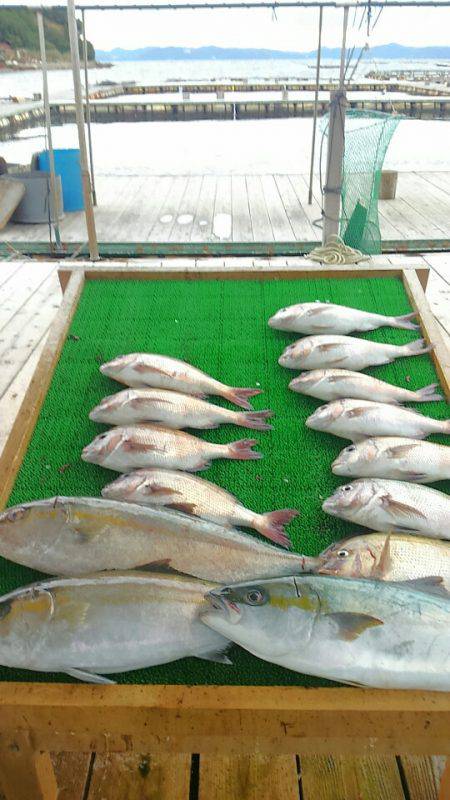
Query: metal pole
[(335, 154), (54, 204), (87, 195), (343, 49), (316, 102), (88, 110)]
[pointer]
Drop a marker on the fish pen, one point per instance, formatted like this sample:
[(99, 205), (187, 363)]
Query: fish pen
[(215, 318)]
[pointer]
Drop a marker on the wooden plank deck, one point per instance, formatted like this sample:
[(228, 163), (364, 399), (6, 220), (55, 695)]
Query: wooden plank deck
[(29, 297), (239, 208)]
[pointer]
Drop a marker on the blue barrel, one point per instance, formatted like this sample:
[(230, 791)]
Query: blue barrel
[(67, 165)]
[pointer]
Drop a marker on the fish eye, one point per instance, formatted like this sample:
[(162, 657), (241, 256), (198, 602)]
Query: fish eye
[(342, 553), (347, 488), (350, 449), (102, 436), (255, 597)]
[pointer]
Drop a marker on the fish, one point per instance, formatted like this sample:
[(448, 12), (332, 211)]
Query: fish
[(138, 446), (347, 352), (141, 370), (330, 318), (387, 557), (77, 535), (361, 419), (93, 625), (394, 457), (174, 410), (357, 631), (194, 495), (385, 505), (337, 384)]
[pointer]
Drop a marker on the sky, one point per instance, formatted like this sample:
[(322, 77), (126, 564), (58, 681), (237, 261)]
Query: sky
[(290, 29)]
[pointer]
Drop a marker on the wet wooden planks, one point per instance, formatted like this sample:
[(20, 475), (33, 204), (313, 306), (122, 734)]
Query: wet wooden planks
[(258, 777), (239, 208)]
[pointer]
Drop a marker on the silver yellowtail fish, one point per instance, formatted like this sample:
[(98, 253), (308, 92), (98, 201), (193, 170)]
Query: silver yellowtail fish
[(193, 495), (332, 318), (370, 633), (103, 623), (387, 557), (385, 505), (346, 352), (337, 384), (138, 446), (164, 372), (359, 419), (394, 457), (75, 535), (174, 410)]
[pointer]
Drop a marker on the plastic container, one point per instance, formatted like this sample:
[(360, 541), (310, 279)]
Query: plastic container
[(67, 165)]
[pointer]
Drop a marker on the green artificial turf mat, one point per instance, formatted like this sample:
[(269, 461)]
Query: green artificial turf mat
[(220, 327)]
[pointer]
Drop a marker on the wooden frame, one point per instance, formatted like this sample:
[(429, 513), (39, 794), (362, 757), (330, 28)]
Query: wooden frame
[(208, 719)]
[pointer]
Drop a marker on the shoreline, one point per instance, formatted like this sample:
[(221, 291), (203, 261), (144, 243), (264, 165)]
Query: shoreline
[(51, 66)]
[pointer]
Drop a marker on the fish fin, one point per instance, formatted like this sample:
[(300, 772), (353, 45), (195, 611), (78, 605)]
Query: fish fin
[(88, 677), (131, 446), (157, 489), (414, 477), (417, 348), (218, 656), (356, 412), (272, 525), (239, 396), (256, 420), (401, 450), (351, 625), (187, 508), (312, 312), (428, 393), (325, 348), (432, 584), (136, 402), (395, 506), (384, 563), (200, 467), (242, 450), (404, 321), (139, 367), (163, 563)]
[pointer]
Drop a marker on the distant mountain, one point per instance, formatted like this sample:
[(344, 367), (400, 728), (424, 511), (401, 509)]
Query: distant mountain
[(395, 51)]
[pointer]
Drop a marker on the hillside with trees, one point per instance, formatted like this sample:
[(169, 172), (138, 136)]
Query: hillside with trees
[(19, 39)]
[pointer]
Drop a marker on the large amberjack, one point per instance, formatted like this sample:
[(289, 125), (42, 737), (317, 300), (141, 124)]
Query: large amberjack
[(372, 633), (74, 535), (103, 623)]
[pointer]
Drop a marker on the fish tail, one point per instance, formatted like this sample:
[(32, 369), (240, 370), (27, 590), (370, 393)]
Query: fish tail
[(405, 322), (256, 420), (271, 525), (243, 450), (417, 348), (428, 393), (239, 396)]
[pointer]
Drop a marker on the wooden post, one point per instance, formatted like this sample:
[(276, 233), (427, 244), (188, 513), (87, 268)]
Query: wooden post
[(88, 109), (26, 774), (87, 195), (48, 124), (335, 153), (316, 103)]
